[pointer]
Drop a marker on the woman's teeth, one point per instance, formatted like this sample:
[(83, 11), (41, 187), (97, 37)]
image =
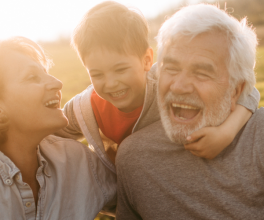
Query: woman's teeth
[(52, 102), (117, 94)]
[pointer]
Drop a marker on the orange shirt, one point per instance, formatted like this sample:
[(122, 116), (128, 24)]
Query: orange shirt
[(114, 124)]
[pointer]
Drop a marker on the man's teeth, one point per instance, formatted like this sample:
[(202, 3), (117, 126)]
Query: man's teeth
[(52, 102), (117, 94), (183, 118), (177, 113), (183, 106)]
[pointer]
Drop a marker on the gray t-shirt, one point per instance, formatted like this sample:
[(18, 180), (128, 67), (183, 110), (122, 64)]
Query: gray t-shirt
[(159, 180)]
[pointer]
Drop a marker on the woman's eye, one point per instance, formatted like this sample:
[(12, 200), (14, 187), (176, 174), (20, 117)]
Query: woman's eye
[(33, 77)]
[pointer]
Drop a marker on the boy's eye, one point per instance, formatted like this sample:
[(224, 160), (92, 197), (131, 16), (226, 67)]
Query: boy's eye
[(121, 70), (96, 75)]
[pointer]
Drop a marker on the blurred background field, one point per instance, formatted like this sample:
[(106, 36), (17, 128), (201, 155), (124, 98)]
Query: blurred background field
[(68, 68)]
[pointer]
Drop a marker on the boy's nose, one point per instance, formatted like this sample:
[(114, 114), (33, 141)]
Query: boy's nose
[(111, 83)]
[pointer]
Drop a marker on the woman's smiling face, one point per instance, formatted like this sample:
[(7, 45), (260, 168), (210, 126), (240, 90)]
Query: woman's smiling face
[(30, 96)]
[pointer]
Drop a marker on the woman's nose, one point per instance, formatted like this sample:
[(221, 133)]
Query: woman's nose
[(53, 83)]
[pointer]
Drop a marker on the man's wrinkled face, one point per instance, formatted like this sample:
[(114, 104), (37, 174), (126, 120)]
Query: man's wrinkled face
[(194, 89)]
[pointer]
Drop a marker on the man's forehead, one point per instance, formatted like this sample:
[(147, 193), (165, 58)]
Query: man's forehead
[(212, 45)]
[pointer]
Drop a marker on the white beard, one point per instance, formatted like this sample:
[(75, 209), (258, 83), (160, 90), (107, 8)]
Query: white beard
[(212, 115)]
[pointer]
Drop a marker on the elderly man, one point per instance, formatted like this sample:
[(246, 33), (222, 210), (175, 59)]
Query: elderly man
[(206, 60)]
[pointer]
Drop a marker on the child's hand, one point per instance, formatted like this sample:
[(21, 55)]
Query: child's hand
[(208, 142)]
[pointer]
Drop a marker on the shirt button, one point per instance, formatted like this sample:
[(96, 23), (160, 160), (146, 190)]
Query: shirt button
[(8, 181), (28, 204)]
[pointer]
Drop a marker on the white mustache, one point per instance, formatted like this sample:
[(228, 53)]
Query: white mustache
[(190, 99)]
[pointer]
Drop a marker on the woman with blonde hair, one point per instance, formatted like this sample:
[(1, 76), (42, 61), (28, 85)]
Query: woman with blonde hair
[(41, 176)]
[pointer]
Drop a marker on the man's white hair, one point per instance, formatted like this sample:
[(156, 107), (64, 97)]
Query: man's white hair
[(201, 18)]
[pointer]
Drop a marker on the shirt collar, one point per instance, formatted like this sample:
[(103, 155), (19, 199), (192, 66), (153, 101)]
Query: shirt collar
[(43, 162), (8, 169)]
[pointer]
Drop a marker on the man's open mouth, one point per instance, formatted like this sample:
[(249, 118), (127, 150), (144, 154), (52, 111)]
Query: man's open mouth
[(184, 112)]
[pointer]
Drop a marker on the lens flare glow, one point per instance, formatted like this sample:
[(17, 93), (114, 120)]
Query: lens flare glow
[(51, 19)]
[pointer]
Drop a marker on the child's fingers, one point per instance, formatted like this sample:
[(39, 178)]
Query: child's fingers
[(201, 154), (195, 153), (192, 147), (195, 136), (198, 151)]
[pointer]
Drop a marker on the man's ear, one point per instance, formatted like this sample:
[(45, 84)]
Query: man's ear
[(236, 94), (148, 59)]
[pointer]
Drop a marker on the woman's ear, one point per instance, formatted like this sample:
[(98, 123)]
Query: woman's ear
[(148, 59), (236, 94)]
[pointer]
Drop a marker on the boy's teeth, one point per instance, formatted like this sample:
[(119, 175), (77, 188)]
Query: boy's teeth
[(120, 93), (52, 102), (175, 105)]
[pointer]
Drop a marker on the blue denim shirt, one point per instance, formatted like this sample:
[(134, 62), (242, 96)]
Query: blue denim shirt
[(74, 184)]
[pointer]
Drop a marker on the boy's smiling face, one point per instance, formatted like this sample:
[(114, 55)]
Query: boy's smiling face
[(120, 79)]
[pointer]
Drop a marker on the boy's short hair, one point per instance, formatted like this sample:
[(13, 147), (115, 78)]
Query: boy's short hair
[(111, 26)]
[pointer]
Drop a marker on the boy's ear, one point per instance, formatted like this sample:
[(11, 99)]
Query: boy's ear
[(236, 94), (148, 59)]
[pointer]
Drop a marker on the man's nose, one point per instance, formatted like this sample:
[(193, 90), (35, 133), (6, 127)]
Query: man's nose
[(182, 83), (53, 83)]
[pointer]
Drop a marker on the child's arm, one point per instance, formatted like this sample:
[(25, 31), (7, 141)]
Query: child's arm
[(73, 130), (208, 142)]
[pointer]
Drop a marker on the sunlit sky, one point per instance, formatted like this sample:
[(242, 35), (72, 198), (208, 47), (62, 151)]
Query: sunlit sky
[(50, 19)]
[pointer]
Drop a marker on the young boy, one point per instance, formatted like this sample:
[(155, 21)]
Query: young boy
[(112, 43)]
